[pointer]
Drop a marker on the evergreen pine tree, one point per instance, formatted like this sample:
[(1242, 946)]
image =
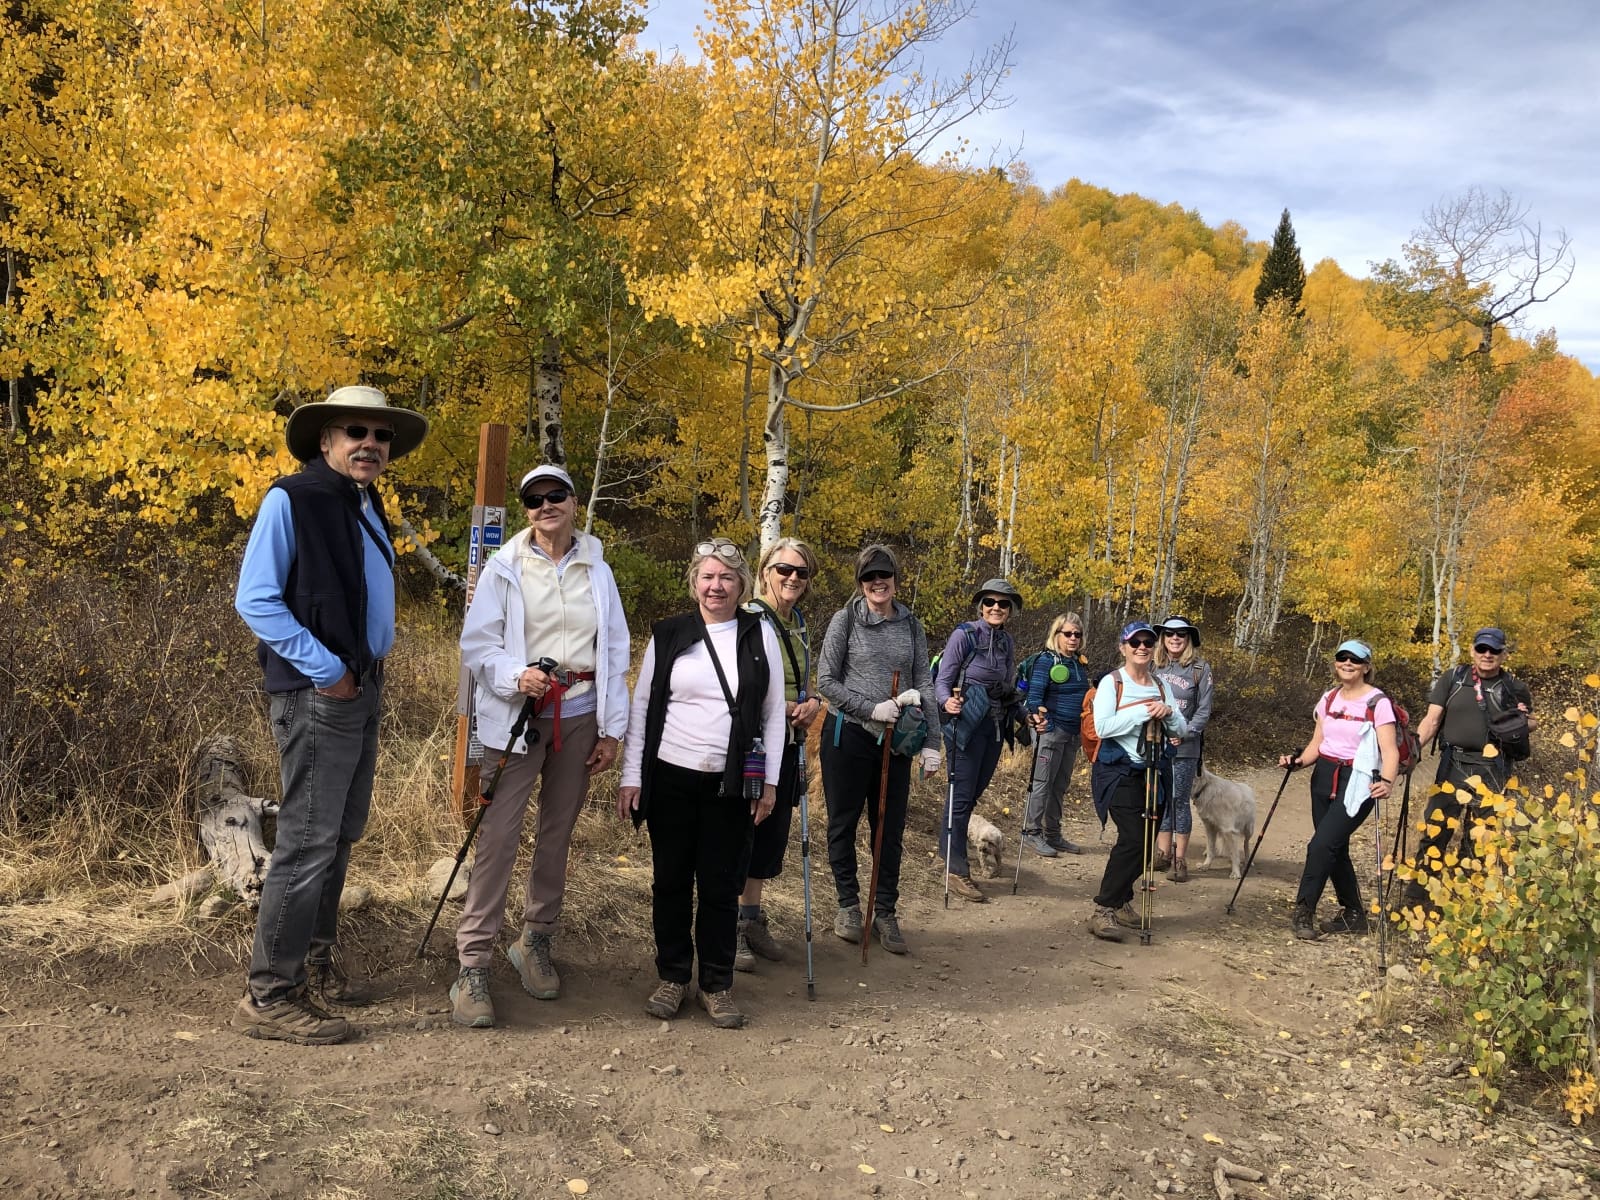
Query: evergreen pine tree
[(1282, 272)]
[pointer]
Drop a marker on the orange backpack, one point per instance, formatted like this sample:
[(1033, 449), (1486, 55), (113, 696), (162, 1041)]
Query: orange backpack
[(1088, 737)]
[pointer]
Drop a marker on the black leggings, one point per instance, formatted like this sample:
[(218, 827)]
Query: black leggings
[(1328, 855), (851, 772)]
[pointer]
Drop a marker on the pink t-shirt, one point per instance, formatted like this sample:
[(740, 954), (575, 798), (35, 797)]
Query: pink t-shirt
[(1342, 730)]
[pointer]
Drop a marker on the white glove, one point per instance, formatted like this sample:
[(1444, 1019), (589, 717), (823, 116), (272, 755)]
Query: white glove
[(886, 712), (910, 698), (930, 761)]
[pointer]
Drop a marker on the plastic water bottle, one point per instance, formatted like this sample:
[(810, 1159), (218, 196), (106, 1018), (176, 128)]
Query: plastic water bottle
[(755, 770)]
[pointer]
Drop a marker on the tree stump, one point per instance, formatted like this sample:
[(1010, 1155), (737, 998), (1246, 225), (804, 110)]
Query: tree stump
[(230, 819)]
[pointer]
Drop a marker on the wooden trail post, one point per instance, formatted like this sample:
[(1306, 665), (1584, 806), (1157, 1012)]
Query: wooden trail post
[(488, 535)]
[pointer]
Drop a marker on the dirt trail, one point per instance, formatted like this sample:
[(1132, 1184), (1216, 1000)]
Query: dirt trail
[(1009, 1055)]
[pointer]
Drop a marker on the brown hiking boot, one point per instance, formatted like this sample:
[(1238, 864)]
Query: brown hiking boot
[(1304, 923), (330, 983), (1127, 916), (1104, 925), (724, 1012), (667, 999), (531, 957), (1349, 920), (1179, 871), (744, 958), (1161, 862), (290, 1019), (470, 1004), (760, 940), (962, 885)]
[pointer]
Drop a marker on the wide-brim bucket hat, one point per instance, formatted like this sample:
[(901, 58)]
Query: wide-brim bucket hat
[(1176, 624), (998, 587), (303, 433)]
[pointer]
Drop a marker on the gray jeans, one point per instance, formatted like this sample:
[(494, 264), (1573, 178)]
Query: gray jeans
[(1058, 751), (327, 749)]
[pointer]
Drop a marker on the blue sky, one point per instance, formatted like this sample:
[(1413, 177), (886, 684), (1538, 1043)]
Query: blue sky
[(1356, 116)]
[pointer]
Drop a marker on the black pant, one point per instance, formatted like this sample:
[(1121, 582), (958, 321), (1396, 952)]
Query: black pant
[(772, 835), (1328, 855), (1134, 829), (971, 771), (1438, 811), (851, 772), (698, 839)]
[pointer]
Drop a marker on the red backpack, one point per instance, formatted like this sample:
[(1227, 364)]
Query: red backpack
[(1405, 737)]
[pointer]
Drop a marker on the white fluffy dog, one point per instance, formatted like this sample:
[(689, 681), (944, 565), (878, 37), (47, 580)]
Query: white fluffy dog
[(986, 842), (1228, 810)]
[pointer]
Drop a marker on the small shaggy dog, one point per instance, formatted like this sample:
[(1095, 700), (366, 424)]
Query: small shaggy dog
[(1228, 810), (985, 842)]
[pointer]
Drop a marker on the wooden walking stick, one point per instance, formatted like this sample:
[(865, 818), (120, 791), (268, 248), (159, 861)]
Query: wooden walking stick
[(877, 833)]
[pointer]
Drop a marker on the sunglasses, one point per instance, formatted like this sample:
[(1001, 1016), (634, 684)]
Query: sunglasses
[(1486, 650), (1142, 643), (1077, 633), (1177, 633), (721, 548), (876, 576), (995, 602), (358, 433), (1344, 656), (788, 569), (535, 501)]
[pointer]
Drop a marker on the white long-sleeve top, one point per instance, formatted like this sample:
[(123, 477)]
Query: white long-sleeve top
[(1123, 723), (694, 734)]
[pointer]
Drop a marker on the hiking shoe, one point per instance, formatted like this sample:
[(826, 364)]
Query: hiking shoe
[(667, 999), (847, 925), (1161, 861), (887, 927), (1127, 915), (469, 999), (963, 886), (1061, 845), (531, 957), (760, 939), (1304, 923), (1104, 925), (724, 1012), (294, 1018), (1349, 920), (329, 982), (1038, 845), (1179, 871), (744, 958)]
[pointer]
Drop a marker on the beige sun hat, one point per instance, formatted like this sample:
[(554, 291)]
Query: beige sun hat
[(303, 433)]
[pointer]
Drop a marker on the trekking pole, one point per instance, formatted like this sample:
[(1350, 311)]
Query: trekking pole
[(529, 708), (877, 834), (1399, 837), (805, 876), (1245, 874), (1152, 793), (1383, 903), (949, 809), (1023, 827)]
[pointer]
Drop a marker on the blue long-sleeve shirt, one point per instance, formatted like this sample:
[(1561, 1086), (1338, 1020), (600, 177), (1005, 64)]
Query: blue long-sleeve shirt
[(1062, 702), (265, 574)]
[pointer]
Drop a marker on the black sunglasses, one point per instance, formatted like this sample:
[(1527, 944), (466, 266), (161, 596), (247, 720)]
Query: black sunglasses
[(1344, 656), (876, 576), (788, 569), (1141, 642), (1070, 633), (358, 433), (535, 500), (1486, 650), (995, 602)]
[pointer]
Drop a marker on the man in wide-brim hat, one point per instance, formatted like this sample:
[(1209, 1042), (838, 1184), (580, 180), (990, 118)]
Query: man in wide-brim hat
[(317, 590)]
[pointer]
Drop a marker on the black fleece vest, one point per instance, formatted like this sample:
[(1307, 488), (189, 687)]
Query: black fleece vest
[(673, 637), (327, 585)]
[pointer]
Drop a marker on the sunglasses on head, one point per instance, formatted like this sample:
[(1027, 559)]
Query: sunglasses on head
[(788, 569), (1486, 650), (1142, 642), (1344, 656), (995, 602), (876, 576), (721, 548), (358, 433), (536, 500)]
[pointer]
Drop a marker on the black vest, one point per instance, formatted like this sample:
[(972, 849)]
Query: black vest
[(327, 585), (673, 637)]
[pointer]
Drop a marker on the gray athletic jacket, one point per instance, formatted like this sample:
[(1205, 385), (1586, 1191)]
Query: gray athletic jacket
[(861, 652)]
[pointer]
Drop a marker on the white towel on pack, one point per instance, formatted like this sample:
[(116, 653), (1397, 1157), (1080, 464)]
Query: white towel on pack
[(1364, 769)]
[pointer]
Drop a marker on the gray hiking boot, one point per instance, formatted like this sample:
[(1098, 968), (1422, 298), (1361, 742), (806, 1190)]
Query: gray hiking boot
[(847, 925), (744, 958), (724, 1012), (1061, 845), (887, 927), (294, 1018), (667, 999), (760, 939), (469, 999), (531, 957), (1039, 845), (1349, 920), (1104, 925), (1304, 923)]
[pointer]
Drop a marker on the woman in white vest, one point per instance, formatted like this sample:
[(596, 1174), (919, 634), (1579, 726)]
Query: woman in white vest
[(547, 595)]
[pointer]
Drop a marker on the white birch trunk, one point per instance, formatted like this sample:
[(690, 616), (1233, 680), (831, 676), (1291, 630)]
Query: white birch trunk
[(548, 376)]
